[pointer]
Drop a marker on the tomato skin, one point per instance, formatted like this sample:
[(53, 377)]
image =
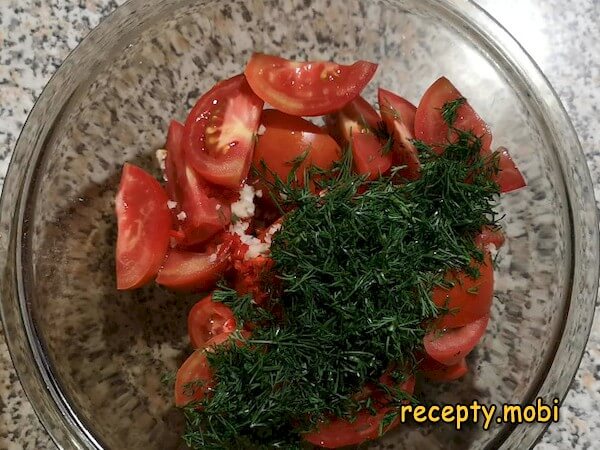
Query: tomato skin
[(287, 138), (399, 117), (358, 115), (338, 432), (311, 88), (204, 215), (210, 323), (451, 345), (510, 177), (194, 379), (435, 371), (430, 126), (354, 124), (398, 107), (189, 271), (469, 299), (490, 236), (367, 156), (143, 221), (219, 132), (174, 158)]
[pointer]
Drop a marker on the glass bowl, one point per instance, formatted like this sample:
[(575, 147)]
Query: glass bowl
[(91, 358)]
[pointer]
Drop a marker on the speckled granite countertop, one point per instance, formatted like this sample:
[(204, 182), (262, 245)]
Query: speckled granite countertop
[(36, 35)]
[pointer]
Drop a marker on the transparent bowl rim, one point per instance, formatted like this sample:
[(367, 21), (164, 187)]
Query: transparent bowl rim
[(50, 404)]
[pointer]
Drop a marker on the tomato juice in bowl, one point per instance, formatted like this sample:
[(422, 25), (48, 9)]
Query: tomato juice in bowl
[(101, 353)]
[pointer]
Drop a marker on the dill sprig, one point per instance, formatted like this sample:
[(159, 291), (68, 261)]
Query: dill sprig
[(450, 109), (357, 263)]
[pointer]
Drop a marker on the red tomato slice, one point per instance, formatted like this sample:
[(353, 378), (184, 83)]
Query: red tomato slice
[(429, 123), (219, 132), (194, 379), (469, 299), (354, 124), (204, 215), (358, 115), (509, 178), (189, 271), (210, 323), (399, 117), (338, 433), (311, 88), (397, 107), (143, 221), (451, 345), (367, 155), (175, 158), (435, 371), (287, 138), (490, 236)]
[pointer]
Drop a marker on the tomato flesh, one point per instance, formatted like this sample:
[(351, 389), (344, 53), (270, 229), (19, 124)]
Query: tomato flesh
[(367, 156), (399, 117), (339, 432), (358, 115), (219, 132), (451, 345), (468, 299), (194, 379), (509, 177), (430, 126), (203, 215), (210, 323), (311, 88), (175, 158), (490, 236), (287, 138), (355, 124), (143, 221), (435, 371), (190, 271)]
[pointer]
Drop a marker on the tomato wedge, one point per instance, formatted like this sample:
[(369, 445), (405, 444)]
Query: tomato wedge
[(399, 117), (469, 299), (210, 323), (189, 271), (430, 126), (355, 124), (451, 345), (200, 215), (358, 115), (338, 433), (311, 88), (194, 379), (435, 371), (175, 159), (203, 216), (490, 236), (287, 138), (368, 155), (219, 132), (143, 221), (510, 177)]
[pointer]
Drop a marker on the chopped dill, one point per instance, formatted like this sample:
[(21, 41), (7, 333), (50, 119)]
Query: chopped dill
[(356, 264), (450, 109)]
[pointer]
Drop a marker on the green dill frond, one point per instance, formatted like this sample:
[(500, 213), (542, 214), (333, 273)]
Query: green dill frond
[(357, 261), (450, 109)]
